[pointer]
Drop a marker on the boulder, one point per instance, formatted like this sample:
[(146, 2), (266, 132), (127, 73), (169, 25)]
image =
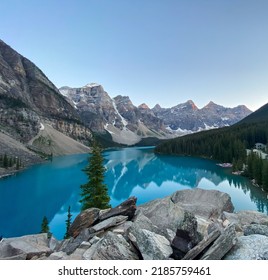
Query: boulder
[(204, 203), (111, 247), (58, 256), (186, 236), (25, 247), (256, 229), (142, 222), (163, 213), (244, 218), (84, 220), (222, 245), (110, 222), (126, 208), (151, 245), (252, 247), (202, 245)]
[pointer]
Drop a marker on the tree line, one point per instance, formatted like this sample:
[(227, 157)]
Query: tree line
[(10, 161), (227, 144)]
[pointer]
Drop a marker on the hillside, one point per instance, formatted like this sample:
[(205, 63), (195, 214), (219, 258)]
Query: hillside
[(31, 105)]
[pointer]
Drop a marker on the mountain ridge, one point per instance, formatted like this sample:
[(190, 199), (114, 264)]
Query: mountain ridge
[(124, 118)]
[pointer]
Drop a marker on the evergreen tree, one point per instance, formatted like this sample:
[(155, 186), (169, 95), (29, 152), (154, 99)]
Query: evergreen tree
[(95, 192), (68, 223), (45, 226), (5, 161), (265, 175)]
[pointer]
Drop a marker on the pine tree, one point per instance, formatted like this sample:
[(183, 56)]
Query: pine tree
[(45, 226), (68, 223), (95, 192), (5, 161)]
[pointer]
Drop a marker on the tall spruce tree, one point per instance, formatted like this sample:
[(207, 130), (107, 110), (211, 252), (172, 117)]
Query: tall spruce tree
[(45, 226), (95, 192), (68, 223)]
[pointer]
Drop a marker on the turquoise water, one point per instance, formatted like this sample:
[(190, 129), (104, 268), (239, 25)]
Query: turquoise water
[(48, 189)]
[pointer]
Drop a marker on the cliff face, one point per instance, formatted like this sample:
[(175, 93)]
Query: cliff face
[(126, 123), (29, 100)]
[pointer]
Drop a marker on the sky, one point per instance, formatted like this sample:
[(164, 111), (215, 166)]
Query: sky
[(154, 51)]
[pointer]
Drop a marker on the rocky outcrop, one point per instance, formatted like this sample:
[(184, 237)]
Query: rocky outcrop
[(167, 228)]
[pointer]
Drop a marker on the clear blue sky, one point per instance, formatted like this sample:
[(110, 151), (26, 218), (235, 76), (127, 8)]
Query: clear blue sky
[(155, 51)]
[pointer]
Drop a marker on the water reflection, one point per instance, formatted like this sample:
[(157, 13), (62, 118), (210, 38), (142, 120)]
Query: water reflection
[(150, 176), (48, 189)]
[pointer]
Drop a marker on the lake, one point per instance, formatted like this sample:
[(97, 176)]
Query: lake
[(48, 189)]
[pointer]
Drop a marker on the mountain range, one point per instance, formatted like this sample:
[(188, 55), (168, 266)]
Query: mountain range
[(37, 118), (128, 124)]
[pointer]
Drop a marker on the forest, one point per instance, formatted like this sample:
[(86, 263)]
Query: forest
[(226, 144)]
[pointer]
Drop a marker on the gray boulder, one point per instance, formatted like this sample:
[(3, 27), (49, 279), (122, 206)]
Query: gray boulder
[(126, 208), (111, 222), (204, 203), (84, 220), (186, 236), (111, 247), (256, 229), (25, 247), (151, 245), (222, 245), (245, 218), (163, 213), (252, 247)]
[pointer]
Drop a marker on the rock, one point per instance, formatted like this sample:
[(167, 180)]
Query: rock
[(127, 208), (70, 245), (186, 236), (152, 246), (94, 240), (252, 247), (28, 245), (202, 245), (143, 222), (256, 229), (53, 243), (222, 245), (111, 247), (111, 222), (243, 218), (63, 244), (84, 220), (58, 256), (205, 203), (163, 213), (123, 229)]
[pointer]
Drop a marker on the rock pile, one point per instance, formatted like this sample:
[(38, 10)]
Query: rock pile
[(190, 224)]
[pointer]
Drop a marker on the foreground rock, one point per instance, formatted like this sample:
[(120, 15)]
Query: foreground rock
[(252, 247), (203, 203), (190, 224), (25, 247)]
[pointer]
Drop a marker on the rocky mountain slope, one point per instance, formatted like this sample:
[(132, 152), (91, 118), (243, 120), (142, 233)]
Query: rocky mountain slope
[(187, 118), (188, 225), (128, 124), (28, 101)]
